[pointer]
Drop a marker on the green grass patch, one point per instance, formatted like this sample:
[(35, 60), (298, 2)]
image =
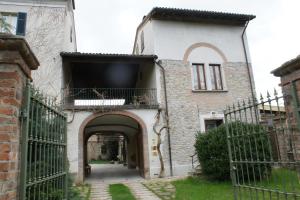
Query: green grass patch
[(120, 192), (201, 188), (99, 162)]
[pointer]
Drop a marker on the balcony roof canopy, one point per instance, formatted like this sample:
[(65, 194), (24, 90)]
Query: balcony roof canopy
[(103, 70), (106, 58)]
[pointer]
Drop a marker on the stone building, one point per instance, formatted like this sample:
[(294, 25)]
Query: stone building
[(289, 74), (186, 66), (48, 26)]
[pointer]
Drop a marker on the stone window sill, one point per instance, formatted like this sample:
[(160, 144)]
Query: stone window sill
[(209, 91)]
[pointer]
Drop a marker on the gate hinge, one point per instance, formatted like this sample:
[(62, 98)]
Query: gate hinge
[(23, 114)]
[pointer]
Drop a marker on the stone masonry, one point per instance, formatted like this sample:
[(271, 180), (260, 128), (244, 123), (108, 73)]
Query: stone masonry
[(289, 74), (16, 63), (186, 105)]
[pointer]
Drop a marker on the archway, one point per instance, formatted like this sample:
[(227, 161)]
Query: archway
[(121, 123)]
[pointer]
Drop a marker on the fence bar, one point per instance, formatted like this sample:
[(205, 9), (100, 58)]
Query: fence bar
[(44, 156)]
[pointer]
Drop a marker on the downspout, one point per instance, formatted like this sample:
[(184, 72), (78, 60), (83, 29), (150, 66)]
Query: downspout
[(167, 116), (247, 63)]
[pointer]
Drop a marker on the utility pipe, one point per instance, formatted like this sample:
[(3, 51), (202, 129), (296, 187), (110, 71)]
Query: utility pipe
[(247, 63)]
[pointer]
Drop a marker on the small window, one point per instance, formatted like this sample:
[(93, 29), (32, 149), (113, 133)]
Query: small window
[(142, 42), (210, 124), (8, 22), (216, 77), (14, 23), (199, 79)]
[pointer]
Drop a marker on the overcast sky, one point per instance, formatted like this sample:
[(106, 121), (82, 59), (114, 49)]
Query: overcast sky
[(108, 26)]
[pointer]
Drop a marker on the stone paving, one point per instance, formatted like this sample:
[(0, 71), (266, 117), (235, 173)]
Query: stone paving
[(99, 191), (162, 188), (105, 174), (141, 192)]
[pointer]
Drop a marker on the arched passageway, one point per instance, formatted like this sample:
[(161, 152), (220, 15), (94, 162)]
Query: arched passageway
[(113, 145)]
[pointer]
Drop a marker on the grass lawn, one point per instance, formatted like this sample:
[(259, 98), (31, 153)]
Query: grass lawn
[(201, 189), (120, 192), (99, 162)]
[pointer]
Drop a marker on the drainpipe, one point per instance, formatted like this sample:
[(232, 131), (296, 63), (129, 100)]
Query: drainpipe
[(247, 63), (167, 116), (249, 72)]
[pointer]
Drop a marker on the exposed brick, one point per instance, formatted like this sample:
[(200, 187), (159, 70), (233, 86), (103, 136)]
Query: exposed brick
[(11, 101), (8, 120), (4, 176), (8, 128), (4, 137), (4, 167), (8, 83), (4, 148), (7, 111), (7, 92), (4, 156), (4, 197), (12, 194), (10, 75)]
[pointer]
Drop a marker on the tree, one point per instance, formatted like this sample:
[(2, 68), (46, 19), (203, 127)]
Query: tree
[(4, 26), (158, 133)]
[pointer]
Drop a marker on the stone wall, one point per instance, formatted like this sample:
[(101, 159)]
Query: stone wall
[(187, 106), (291, 113)]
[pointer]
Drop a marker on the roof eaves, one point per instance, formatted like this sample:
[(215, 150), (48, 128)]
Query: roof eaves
[(106, 55), (287, 67)]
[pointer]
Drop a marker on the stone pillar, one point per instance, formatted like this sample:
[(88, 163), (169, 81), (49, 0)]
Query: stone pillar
[(289, 74), (16, 63)]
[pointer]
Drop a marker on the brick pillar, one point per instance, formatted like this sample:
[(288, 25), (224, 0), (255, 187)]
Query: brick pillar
[(16, 63)]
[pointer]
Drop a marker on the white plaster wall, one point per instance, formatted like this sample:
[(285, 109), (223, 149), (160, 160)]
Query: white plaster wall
[(148, 116), (48, 33), (172, 39), (148, 39), (75, 120)]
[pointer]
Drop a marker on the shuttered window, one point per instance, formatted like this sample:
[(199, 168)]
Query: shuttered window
[(216, 77), (14, 23), (199, 77), (21, 24)]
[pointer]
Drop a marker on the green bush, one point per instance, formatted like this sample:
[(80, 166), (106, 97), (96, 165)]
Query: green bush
[(249, 143)]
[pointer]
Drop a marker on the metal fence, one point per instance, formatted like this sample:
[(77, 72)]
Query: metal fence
[(44, 151), (264, 146), (110, 97)]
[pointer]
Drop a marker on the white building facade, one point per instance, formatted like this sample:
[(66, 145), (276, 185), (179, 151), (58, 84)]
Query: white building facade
[(207, 67), (49, 28), (186, 65)]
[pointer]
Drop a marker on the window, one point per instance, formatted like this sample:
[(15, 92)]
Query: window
[(216, 77), (199, 77), (210, 124), (14, 23), (142, 42)]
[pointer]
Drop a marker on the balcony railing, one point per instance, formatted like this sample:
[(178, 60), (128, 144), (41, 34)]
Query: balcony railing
[(127, 98)]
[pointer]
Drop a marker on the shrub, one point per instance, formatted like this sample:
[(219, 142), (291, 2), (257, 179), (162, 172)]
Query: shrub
[(249, 142)]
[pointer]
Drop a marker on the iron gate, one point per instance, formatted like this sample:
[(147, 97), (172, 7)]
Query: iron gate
[(44, 151), (264, 145)]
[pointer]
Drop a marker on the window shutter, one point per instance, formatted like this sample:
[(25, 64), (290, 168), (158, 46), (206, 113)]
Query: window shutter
[(21, 24)]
